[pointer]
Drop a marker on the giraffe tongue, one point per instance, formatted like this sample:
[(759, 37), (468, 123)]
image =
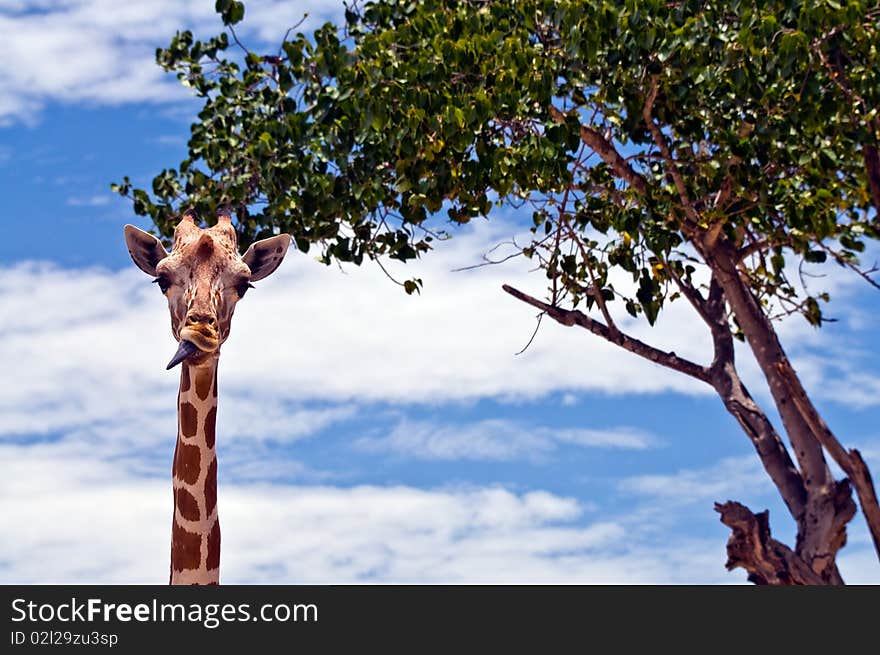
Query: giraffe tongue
[(184, 350)]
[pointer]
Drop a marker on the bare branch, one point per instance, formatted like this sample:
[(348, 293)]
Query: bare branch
[(606, 150), (378, 260), (487, 261), (768, 444), (289, 30), (237, 42), (864, 274), (571, 317), (532, 338)]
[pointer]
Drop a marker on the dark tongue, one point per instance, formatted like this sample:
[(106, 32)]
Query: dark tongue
[(184, 350)]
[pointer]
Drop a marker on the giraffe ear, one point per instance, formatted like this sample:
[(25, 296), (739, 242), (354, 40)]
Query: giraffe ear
[(264, 256), (146, 250)]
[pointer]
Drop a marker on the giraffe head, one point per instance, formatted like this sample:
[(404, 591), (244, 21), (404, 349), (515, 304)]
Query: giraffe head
[(203, 277)]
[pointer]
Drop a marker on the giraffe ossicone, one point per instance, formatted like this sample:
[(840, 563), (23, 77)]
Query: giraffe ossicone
[(203, 278)]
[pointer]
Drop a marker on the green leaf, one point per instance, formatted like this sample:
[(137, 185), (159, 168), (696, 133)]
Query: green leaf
[(412, 286), (231, 11)]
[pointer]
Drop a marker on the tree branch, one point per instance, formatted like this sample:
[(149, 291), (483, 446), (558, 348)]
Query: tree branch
[(691, 293), (603, 147), (759, 246), (764, 343), (865, 274), (594, 287), (850, 461), (738, 401), (606, 150), (574, 317), (690, 213)]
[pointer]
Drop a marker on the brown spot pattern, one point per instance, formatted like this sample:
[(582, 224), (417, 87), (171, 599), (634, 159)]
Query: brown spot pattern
[(186, 463), (210, 426), (211, 488), (213, 559), (186, 504), (204, 377), (188, 416), (186, 548), (215, 382), (184, 379)]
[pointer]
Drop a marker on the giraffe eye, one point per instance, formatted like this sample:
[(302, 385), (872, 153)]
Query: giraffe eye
[(163, 282)]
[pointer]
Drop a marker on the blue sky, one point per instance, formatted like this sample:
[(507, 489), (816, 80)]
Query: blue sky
[(363, 435)]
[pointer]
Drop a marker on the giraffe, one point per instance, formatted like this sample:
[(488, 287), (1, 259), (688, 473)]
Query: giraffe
[(203, 277)]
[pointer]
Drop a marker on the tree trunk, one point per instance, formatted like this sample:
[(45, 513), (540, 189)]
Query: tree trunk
[(822, 526)]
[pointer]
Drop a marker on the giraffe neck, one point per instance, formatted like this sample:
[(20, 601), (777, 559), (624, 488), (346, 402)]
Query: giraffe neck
[(195, 533)]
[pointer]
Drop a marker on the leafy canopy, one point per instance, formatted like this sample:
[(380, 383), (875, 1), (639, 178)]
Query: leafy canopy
[(629, 129)]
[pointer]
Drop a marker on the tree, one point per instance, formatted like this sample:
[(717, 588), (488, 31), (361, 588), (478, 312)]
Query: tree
[(700, 150)]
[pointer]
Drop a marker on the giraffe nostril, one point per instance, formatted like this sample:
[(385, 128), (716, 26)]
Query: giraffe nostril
[(204, 319)]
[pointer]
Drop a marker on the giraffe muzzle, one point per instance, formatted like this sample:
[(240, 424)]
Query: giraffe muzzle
[(202, 334), (195, 338)]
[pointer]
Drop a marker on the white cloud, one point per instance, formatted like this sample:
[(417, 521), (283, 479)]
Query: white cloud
[(78, 518), (94, 525), (357, 335), (719, 482), (619, 437), (854, 388), (102, 51), (88, 201), (495, 439), (313, 334), (175, 140), (668, 501), (263, 418)]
